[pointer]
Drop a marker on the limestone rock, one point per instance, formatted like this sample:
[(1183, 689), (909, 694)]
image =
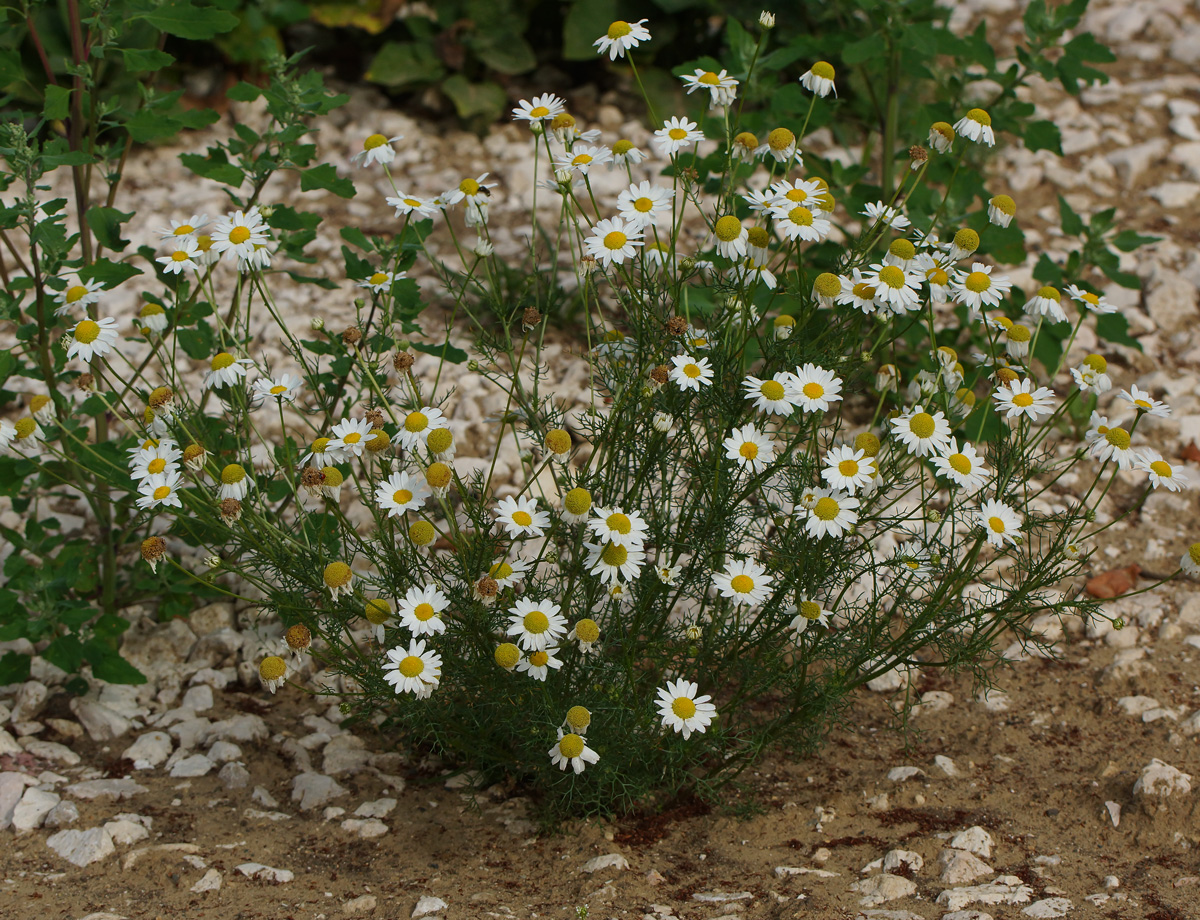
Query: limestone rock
[(99, 721), (366, 828), (363, 904), (52, 750), (313, 790), (224, 752), (428, 905), (149, 751), (1007, 889), (195, 765), (269, 873), (29, 702), (974, 840), (1159, 783), (12, 788), (198, 698), (380, 808), (1048, 908), (82, 848), (64, 813), (881, 888), (607, 861), (234, 776), (959, 867), (124, 832), (210, 882), (112, 788), (35, 804)]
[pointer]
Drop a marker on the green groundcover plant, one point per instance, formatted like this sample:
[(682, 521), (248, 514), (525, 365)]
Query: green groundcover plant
[(822, 441)]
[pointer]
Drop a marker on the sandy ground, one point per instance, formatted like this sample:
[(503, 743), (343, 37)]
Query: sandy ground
[(1045, 765)]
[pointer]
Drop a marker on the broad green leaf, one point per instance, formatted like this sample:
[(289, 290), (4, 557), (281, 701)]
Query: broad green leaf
[(586, 21), (243, 92), (144, 60), (402, 63), (1043, 135), (356, 237), (504, 52), (14, 668), (324, 283), (10, 67), (1072, 223), (107, 664), (58, 102), (214, 167), (1114, 327), (1129, 240), (864, 49), (181, 18), (325, 177), (451, 354), (106, 224), (484, 100), (109, 273), (65, 652)]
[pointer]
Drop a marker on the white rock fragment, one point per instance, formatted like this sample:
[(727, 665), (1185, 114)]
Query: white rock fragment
[(1161, 780), (935, 701), (380, 808), (1048, 908), (149, 751), (1136, 705), (789, 871), (134, 855), (895, 859), (124, 832), (366, 828), (224, 752), (966, 915), (255, 814), (332, 811), (1114, 813), (52, 750), (198, 698), (881, 888), (195, 765), (263, 797), (29, 702), (269, 873), (12, 788), (82, 848), (312, 790), (993, 700), (722, 897), (428, 905), (99, 721), (607, 861), (363, 904), (62, 814), (8, 744), (1007, 889), (960, 867), (35, 804), (901, 774), (211, 881), (974, 840), (947, 766), (234, 776), (106, 788)]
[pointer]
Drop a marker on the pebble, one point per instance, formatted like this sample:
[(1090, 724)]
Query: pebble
[(211, 881), (224, 752), (312, 790), (256, 814), (881, 888), (345, 754), (111, 788), (124, 832), (959, 867), (607, 861), (1114, 812), (195, 765), (974, 840), (191, 732), (788, 871), (243, 729), (428, 905), (1158, 782), (380, 808), (270, 874), (99, 721), (721, 897), (1007, 889), (29, 702), (65, 812), (51, 750), (1048, 908), (366, 828), (263, 797), (363, 904), (901, 774), (35, 804), (234, 776), (82, 848), (966, 915), (947, 766), (149, 751), (8, 744), (1136, 705), (12, 788), (896, 859), (198, 698)]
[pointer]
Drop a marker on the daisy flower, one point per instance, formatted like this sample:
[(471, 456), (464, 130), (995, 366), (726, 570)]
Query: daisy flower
[(416, 669), (1091, 376), (691, 373), (570, 749), (848, 469), (80, 294), (796, 222), (895, 288), (1161, 473), (537, 624), (675, 134), (731, 237), (283, 389), (813, 388), (964, 466), (978, 289), (157, 458), (723, 88), (1098, 427), (613, 240), (91, 338), (819, 79), (790, 192), (376, 149), (273, 672), (610, 561), (322, 453), (520, 517), (749, 271), (1002, 523), (1094, 302), (508, 573), (160, 489), (922, 433), (542, 109), (350, 436), (410, 204), (1144, 402), (576, 505), (626, 153), (780, 146), (941, 136), (976, 126), (878, 212), (538, 664), (190, 227), (809, 611), (474, 192), (752, 449), (587, 633), (746, 582), (1114, 445), (234, 482), (761, 200), (581, 157), (151, 318), (620, 37), (682, 710), (641, 204), (239, 234), (381, 282), (1190, 561), (1001, 210), (857, 292), (1020, 398), (1048, 303), (832, 514), (418, 424), (401, 492), (612, 525), (420, 609), (182, 256)]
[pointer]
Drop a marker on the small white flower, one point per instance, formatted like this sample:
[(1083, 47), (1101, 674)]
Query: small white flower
[(417, 425), (190, 227), (978, 289), (976, 126), (1114, 444), (92, 339), (682, 710), (411, 204), (832, 514), (1002, 523), (622, 36), (1020, 398), (818, 79), (642, 203), (184, 252), (536, 624), (1144, 402), (1048, 303), (722, 87), (538, 664), (1161, 472), (771, 396), (381, 282), (543, 108), (376, 149), (691, 373), (962, 466), (225, 370), (750, 448), (745, 581), (878, 212), (581, 158), (848, 469), (613, 240), (283, 389), (610, 561), (1086, 299), (922, 433), (416, 669), (160, 489), (80, 294), (895, 288), (813, 388), (401, 492), (350, 436), (675, 134), (797, 222), (612, 525), (572, 750), (239, 234), (520, 517)]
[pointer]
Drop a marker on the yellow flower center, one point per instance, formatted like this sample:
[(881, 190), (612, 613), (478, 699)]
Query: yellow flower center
[(1096, 363), (1018, 333), (411, 666), (813, 390), (87, 332), (500, 571), (810, 610), (539, 111), (615, 240), (377, 611), (522, 518), (184, 229), (1194, 553), (922, 425), (619, 29), (578, 718), (892, 276), (747, 140), (1144, 404), (204, 242), (848, 467), (801, 216), (233, 473), (619, 522), (539, 659), (402, 496), (979, 116), (683, 707), (823, 69), (780, 139), (772, 390), (278, 389), (996, 524), (937, 276), (967, 239), (1162, 468), (643, 205), (352, 438), (827, 509), (161, 492), (423, 612), (222, 361), (615, 555), (570, 746), (1049, 293), (151, 309), (586, 630), (180, 256), (1118, 438), (960, 463), (749, 450), (864, 291), (677, 134), (272, 668), (829, 285), (578, 501), (378, 278), (692, 371), (622, 147), (758, 236), (978, 282), (416, 421), (581, 159), (422, 533), (796, 194), (337, 574), (375, 140), (438, 475), (157, 465), (239, 235), (469, 187), (709, 78), (1005, 205), (903, 249), (507, 655), (1023, 400), (1091, 298), (76, 292), (536, 622)]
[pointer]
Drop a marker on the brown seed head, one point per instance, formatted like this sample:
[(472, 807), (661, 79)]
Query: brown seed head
[(154, 548), (312, 478), (374, 417), (676, 326), (531, 317), (918, 154), (402, 362), (298, 637), (160, 397), (660, 374), (85, 382), (1006, 375), (231, 510), (351, 335), (487, 586)]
